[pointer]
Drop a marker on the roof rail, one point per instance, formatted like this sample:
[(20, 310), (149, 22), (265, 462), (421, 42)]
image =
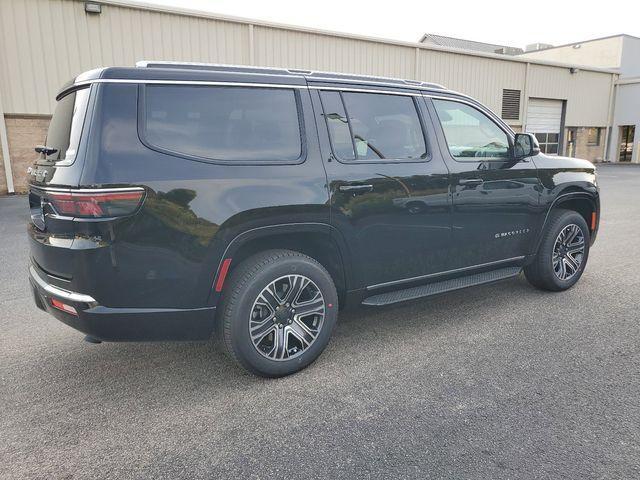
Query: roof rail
[(291, 71)]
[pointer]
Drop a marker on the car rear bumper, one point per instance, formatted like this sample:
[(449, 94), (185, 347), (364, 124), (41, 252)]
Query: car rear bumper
[(121, 324)]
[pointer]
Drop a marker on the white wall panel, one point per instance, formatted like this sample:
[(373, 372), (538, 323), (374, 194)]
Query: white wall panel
[(44, 43), (586, 93), (481, 78), (276, 47)]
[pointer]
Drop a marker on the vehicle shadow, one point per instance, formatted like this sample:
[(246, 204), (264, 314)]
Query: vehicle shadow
[(360, 333)]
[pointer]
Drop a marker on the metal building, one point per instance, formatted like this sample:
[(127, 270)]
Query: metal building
[(622, 53), (545, 97)]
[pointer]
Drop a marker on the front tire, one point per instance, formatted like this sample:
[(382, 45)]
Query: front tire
[(563, 253), (278, 312)]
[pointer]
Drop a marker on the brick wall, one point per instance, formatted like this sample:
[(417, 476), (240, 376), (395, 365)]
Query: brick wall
[(24, 133)]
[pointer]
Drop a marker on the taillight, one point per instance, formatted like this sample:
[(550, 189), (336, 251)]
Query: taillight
[(103, 203)]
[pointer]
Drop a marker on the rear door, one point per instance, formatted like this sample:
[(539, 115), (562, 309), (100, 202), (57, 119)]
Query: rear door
[(388, 185), (495, 198)]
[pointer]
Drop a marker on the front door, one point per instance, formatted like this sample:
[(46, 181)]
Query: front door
[(495, 199), (388, 184), (626, 143)]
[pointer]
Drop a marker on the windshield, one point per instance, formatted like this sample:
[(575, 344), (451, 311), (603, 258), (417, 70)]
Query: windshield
[(66, 126)]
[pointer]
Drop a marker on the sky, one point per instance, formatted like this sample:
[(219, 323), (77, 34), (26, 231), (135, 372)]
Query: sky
[(513, 23)]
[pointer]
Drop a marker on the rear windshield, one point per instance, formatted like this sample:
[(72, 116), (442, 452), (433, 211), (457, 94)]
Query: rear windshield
[(229, 124), (66, 126)]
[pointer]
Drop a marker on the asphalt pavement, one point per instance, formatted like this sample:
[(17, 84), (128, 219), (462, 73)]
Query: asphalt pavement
[(500, 381)]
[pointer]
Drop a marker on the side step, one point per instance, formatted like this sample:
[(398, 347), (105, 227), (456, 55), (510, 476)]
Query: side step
[(441, 287)]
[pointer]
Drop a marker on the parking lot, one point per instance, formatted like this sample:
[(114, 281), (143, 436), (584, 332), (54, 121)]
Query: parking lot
[(500, 381)]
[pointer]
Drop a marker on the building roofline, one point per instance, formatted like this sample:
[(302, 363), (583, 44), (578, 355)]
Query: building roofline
[(247, 21), (628, 80), (465, 40), (584, 41)]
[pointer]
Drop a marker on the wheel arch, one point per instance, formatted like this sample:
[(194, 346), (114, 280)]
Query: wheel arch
[(578, 200), (320, 241)]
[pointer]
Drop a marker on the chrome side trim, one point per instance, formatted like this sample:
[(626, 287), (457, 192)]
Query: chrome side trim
[(60, 292), (440, 274)]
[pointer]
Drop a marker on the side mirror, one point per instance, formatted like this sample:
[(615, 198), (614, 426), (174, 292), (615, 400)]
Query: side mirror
[(525, 145)]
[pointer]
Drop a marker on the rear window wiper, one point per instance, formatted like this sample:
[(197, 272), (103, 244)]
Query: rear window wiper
[(46, 150)]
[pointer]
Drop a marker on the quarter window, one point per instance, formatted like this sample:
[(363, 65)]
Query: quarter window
[(338, 124), (469, 132), (373, 127), (224, 123), (66, 125)]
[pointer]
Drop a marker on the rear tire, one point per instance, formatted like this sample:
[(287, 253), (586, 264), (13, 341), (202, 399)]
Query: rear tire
[(278, 311), (563, 253)]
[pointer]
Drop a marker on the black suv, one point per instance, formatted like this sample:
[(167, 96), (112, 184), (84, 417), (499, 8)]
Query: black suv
[(177, 201)]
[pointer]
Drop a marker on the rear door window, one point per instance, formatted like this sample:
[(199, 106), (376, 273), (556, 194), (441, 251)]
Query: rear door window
[(379, 126), (66, 124), (228, 124)]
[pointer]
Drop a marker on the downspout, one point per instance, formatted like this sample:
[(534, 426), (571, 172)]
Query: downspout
[(525, 100), (4, 140), (252, 52), (607, 148)]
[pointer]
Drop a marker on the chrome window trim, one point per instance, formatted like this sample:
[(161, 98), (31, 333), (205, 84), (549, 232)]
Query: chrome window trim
[(185, 82), (365, 90), (420, 91)]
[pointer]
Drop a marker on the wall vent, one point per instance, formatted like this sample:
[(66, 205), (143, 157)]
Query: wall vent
[(510, 104)]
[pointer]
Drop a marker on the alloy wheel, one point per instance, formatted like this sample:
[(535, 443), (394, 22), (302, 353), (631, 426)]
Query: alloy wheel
[(568, 252), (287, 317)]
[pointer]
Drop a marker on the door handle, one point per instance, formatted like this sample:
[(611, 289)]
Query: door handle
[(470, 181), (355, 188)]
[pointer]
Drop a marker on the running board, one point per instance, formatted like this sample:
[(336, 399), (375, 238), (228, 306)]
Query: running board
[(441, 287)]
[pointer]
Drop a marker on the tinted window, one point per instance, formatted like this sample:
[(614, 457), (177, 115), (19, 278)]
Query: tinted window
[(382, 126), (66, 125), (338, 125), (469, 132), (224, 123)]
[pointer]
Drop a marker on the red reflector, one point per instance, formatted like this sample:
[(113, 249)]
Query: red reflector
[(594, 218), (224, 269), (63, 306), (112, 203)]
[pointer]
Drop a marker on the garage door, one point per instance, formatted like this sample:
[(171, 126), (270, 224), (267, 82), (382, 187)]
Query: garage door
[(544, 119)]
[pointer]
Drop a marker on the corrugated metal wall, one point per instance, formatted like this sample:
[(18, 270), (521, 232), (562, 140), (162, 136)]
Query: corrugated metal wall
[(44, 43)]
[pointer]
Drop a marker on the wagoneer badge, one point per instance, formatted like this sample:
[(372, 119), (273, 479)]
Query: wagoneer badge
[(522, 231)]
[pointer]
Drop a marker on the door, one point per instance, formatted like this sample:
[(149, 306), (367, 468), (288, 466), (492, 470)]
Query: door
[(495, 199), (388, 185), (627, 133), (544, 120)]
